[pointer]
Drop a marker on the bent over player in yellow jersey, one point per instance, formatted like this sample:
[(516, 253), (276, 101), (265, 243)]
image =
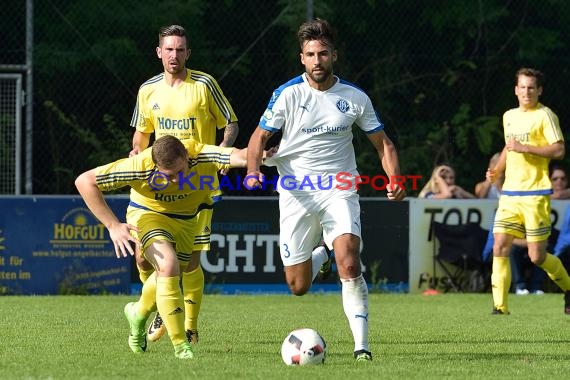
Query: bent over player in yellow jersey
[(169, 184), (532, 138), (188, 104)]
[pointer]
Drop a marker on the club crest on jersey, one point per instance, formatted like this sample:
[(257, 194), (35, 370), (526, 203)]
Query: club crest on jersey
[(342, 105)]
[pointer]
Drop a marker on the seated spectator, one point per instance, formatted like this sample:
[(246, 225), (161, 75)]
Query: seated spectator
[(486, 189), (559, 181), (442, 185)]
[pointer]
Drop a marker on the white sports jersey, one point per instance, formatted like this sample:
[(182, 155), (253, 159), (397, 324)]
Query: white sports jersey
[(316, 126)]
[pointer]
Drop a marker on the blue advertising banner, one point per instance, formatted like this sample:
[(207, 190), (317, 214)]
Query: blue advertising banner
[(54, 245)]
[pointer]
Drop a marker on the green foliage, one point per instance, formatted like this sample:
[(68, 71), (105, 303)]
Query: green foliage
[(110, 144), (411, 337), (439, 73)]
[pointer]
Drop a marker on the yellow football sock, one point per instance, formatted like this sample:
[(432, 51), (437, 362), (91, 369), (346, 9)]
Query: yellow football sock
[(556, 271), (501, 283), (144, 274), (170, 305), (147, 301), (193, 286)]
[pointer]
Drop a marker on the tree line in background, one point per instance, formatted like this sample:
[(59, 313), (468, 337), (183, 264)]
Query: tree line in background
[(440, 73)]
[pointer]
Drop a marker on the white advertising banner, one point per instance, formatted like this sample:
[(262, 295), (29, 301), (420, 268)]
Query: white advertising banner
[(423, 212)]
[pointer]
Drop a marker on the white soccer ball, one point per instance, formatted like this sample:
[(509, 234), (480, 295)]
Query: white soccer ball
[(303, 347)]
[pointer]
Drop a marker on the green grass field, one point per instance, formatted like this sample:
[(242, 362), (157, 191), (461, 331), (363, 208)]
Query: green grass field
[(412, 337)]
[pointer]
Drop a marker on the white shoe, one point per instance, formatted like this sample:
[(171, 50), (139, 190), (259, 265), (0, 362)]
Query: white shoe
[(538, 292), (522, 292), (156, 329)]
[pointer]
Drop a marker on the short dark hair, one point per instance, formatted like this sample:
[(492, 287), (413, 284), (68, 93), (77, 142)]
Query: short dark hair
[(317, 29), (166, 150), (171, 30), (529, 72)]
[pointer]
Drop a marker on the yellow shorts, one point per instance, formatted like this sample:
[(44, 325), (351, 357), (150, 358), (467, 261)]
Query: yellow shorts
[(524, 217), (155, 226), (204, 230)]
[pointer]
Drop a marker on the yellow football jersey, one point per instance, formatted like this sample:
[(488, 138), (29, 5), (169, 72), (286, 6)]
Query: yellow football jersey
[(527, 174), (152, 190), (193, 110)]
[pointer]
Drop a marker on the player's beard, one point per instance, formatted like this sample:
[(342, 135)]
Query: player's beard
[(321, 76), (175, 68)]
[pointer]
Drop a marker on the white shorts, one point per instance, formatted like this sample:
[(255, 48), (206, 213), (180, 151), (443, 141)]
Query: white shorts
[(307, 219)]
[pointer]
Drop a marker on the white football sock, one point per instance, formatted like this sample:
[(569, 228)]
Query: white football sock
[(355, 304), (319, 258)]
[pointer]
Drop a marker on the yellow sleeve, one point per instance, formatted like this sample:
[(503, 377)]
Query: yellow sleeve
[(123, 172)]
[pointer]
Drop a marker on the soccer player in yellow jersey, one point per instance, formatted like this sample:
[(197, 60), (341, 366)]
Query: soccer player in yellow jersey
[(187, 104), (170, 183), (533, 137)]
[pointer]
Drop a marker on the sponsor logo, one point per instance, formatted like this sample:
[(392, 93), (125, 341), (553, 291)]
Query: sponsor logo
[(78, 229), (176, 311), (165, 123), (328, 129)]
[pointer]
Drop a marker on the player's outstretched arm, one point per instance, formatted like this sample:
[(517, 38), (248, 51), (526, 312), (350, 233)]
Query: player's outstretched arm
[(93, 197), (238, 158)]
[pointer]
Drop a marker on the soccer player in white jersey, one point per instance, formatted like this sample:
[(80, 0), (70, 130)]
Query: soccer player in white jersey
[(315, 113), (532, 138), (187, 104)]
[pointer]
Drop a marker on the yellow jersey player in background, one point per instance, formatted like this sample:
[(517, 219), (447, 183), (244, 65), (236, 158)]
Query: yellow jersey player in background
[(533, 137), (187, 104), (167, 192)]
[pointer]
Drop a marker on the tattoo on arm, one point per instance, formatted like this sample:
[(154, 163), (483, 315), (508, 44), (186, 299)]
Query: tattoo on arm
[(230, 134)]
